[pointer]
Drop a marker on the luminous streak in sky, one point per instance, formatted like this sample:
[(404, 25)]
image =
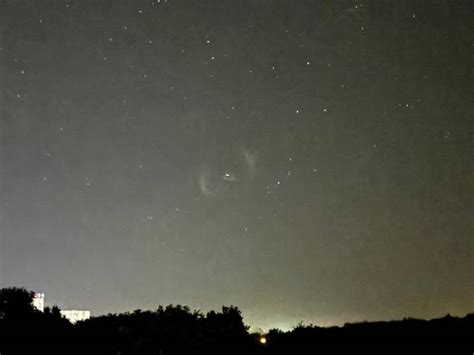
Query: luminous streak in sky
[(210, 185)]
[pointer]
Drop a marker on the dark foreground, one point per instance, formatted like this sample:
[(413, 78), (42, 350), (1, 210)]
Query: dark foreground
[(178, 330)]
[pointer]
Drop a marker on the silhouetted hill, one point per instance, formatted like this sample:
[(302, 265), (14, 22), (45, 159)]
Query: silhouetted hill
[(175, 329)]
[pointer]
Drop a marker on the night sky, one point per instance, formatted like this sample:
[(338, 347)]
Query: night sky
[(304, 160)]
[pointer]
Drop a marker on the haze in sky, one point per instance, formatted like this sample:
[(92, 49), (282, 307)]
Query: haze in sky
[(303, 160)]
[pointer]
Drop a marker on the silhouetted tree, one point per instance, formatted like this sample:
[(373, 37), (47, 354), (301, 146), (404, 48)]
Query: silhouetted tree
[(175, 329), (16, 303), (53, 314)]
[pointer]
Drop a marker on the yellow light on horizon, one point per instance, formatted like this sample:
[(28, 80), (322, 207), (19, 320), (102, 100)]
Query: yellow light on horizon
[(263, 340)]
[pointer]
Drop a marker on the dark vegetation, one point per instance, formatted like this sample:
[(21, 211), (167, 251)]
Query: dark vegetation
[(178, 330)]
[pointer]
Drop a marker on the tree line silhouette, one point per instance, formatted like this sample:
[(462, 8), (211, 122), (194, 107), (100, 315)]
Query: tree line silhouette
[(176, 329)]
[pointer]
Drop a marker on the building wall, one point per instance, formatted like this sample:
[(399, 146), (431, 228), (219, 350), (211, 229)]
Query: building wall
[(38, 301), (75, 315)]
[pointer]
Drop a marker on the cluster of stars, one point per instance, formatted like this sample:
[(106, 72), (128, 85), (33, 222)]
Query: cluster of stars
[(213, 59)]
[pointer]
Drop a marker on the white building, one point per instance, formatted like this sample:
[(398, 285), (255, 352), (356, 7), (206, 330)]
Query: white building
[(75, 315), (38, 301)]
